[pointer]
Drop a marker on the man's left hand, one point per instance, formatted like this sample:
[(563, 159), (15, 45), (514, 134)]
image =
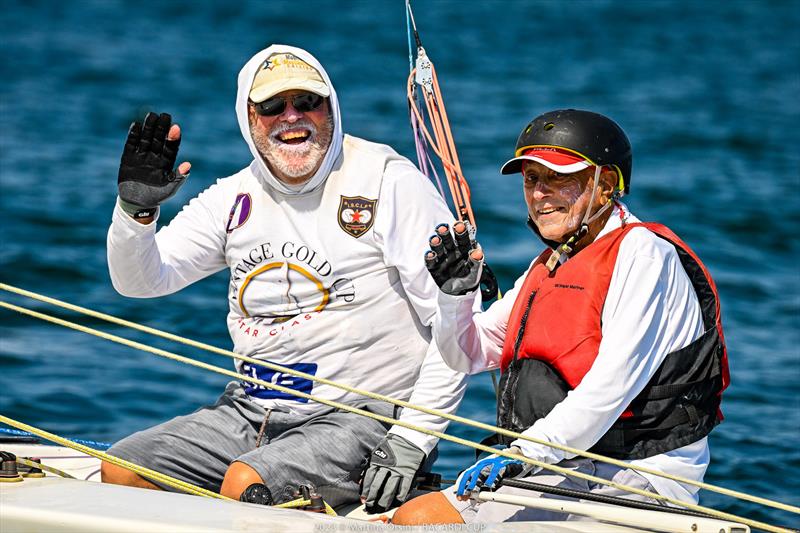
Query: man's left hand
[(456, 264), (390, 472), (489, 473)]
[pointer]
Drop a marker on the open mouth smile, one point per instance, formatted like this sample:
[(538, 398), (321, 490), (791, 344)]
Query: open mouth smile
[(294, 136), (549, 210)]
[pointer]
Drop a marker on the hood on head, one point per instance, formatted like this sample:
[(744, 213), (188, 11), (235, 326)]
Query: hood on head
[(259, 167)]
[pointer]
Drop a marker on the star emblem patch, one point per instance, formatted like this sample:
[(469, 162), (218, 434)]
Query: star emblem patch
[(356, 214)]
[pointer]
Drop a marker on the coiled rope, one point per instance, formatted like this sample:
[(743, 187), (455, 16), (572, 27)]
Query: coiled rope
[(388, 420)]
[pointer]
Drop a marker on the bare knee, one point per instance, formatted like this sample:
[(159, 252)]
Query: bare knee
[(432, 508), (238, 477), (111, 473)]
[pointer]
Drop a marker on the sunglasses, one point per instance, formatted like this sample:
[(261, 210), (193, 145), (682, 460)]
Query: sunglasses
[(277, 104)]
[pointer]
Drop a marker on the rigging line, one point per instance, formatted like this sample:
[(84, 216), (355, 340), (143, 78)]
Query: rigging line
[(152, 474), (447, 150), (380, 418), (93, 444), (421, 121), (443, 145), (458, 186), (142, 471), (449, 140), (40, 466), (434, 102), (425, 162), (300, 502), (594, 497), (410, 14), (420, 140), (456, 191), (420, 143), (339, 405), (401, 403), (368, 394), (450, 169), (408, 32), (448, 166)]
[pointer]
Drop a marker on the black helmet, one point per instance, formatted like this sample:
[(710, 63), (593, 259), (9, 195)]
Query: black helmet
[(590, 136)]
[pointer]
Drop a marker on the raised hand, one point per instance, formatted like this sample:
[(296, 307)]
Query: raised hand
[(454, 263), (146, 176)]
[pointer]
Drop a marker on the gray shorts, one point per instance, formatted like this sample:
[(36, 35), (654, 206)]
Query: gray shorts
[(473, 512), (325, 450)]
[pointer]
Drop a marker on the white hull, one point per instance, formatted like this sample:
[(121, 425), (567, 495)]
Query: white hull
[(57, 504)]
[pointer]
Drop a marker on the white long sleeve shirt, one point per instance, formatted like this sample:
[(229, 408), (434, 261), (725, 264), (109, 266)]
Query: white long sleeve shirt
[(328, 280), (650, 311)]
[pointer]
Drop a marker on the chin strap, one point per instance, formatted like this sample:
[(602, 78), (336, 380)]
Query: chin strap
[(565, 248)]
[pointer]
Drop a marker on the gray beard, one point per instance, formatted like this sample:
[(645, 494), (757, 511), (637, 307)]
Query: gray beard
[(293, 163)]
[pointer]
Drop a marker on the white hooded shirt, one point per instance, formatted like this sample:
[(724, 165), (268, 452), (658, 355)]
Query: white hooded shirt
[(328, 279)]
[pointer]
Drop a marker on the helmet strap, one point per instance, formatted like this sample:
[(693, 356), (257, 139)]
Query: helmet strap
[(566, 248), (595, 180)]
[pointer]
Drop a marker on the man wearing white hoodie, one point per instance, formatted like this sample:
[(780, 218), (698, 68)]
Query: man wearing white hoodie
[(320, 233)]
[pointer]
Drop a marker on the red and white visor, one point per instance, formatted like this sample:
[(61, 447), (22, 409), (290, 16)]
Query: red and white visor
[(555, 158)]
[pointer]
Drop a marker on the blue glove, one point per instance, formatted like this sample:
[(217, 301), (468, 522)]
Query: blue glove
[(488, 473)]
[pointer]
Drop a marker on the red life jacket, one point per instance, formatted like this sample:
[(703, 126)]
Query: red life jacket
[(554, 334)]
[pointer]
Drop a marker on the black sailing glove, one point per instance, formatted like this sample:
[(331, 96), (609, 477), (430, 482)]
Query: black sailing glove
[(146, 175), (391, 471), (449, 261)]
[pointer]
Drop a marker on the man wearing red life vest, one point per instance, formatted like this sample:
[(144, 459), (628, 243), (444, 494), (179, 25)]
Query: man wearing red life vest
[(610, 342)]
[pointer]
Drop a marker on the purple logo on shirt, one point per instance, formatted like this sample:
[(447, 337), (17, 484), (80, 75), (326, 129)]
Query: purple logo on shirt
[(240, 212)]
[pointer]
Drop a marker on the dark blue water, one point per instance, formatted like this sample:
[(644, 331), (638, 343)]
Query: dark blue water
[(707, 91)]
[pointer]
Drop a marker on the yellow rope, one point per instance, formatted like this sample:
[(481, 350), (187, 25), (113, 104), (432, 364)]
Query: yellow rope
[(392, 421), (142, 471), (401, 403), (152, 474), (300, 502), (294, 504)]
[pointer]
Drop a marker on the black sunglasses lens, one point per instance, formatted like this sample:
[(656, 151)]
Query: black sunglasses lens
[(271, 107), (307, 102), (277, 104)]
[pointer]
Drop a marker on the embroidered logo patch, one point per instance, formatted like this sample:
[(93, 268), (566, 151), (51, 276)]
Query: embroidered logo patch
[(356, 214), (240, 212)]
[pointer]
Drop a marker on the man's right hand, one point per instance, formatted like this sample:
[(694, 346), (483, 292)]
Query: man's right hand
[(488, 474), (146, 176), (455, 264)]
